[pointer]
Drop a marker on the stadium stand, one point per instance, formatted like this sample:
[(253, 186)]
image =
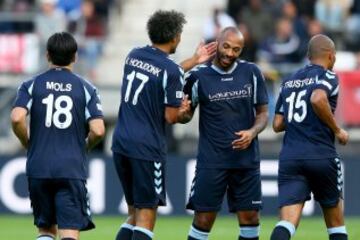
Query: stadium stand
[(109, 29)]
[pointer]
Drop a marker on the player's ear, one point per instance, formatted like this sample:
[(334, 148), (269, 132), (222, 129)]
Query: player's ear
[(75, 58), (48, 56), (176, 39)]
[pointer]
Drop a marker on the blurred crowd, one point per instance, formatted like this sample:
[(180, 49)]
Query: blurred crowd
[(276, 32), (86, 19)]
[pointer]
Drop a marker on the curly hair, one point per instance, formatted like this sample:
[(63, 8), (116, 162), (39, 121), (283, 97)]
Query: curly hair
[(163, 26)]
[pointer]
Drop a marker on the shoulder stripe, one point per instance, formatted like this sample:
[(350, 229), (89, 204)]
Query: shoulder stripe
[(164, 84), (330, 76), (87, 99), (30, 89), (255, 88), (325, 83), (281, 110), (195, 93), (336, 91), (29, 104), (87, 95)]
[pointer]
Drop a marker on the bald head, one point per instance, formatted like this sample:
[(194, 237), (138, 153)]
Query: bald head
[(320, 46), (230, 30), (230, 45)]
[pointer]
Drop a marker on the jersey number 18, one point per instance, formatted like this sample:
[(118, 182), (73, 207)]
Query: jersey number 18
[(54, 117)]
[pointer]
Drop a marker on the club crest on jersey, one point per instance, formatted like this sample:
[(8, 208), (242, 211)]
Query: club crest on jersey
[(58, 87), (179, 94)]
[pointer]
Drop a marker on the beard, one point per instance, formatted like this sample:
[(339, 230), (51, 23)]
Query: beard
[(224, 61)]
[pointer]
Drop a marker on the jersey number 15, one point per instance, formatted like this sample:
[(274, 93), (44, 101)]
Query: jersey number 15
[(295, 106)]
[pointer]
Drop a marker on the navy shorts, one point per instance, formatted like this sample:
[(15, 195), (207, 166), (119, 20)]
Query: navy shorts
[(60, 201), (143, 181), (243, 187), (299, 178)]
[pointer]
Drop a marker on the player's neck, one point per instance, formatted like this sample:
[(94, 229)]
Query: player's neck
[(319, 63), (162, 47)]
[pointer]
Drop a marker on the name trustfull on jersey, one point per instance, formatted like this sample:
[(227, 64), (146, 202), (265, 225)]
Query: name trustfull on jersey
[(60, 104), (306, 136), (151, 82), (227, 103)]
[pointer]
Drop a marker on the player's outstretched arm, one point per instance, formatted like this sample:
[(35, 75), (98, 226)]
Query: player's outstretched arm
[(279, 123), (182, 114), (19, 125), (203, 53), (245, 137), (96, 133), (322, 109)]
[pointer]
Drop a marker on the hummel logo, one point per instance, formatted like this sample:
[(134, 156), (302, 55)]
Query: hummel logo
[(157, 173), (157, 182), (157, 165), (158, 190), (227, 79)]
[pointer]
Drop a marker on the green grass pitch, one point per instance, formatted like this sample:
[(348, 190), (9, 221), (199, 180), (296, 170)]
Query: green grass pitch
[(175, 228)]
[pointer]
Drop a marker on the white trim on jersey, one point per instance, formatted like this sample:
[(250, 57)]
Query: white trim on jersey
[(281, 108), (87, 100), (255, 88), (325, 83), (29, 104), (336, 91), (164, 84), (195, 93), (30, 89), (224, 72)]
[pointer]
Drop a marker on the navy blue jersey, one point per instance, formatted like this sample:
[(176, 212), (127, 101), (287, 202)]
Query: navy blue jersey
[(306, 136), (151, 82), (227, 103), (60, 104)]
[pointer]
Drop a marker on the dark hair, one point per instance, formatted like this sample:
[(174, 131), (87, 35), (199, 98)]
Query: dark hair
[(163, 26), (61, 48)]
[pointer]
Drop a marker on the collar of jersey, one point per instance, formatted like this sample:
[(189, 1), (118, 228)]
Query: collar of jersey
[(217, 69), (59, 69), (315, 65), (157, 50)]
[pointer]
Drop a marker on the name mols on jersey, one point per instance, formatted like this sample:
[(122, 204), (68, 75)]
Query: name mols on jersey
[(143, 65), (59, 87)]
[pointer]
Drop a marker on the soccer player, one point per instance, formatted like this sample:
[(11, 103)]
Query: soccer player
[(151, 96), (65, 122), (308, 161), (233, 111)]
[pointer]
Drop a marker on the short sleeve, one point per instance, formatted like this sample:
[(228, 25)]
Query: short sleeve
[(260, 93), (191, 88), (279, 107), (329, 83), (24, 95), (173, 83), (93, 107)]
